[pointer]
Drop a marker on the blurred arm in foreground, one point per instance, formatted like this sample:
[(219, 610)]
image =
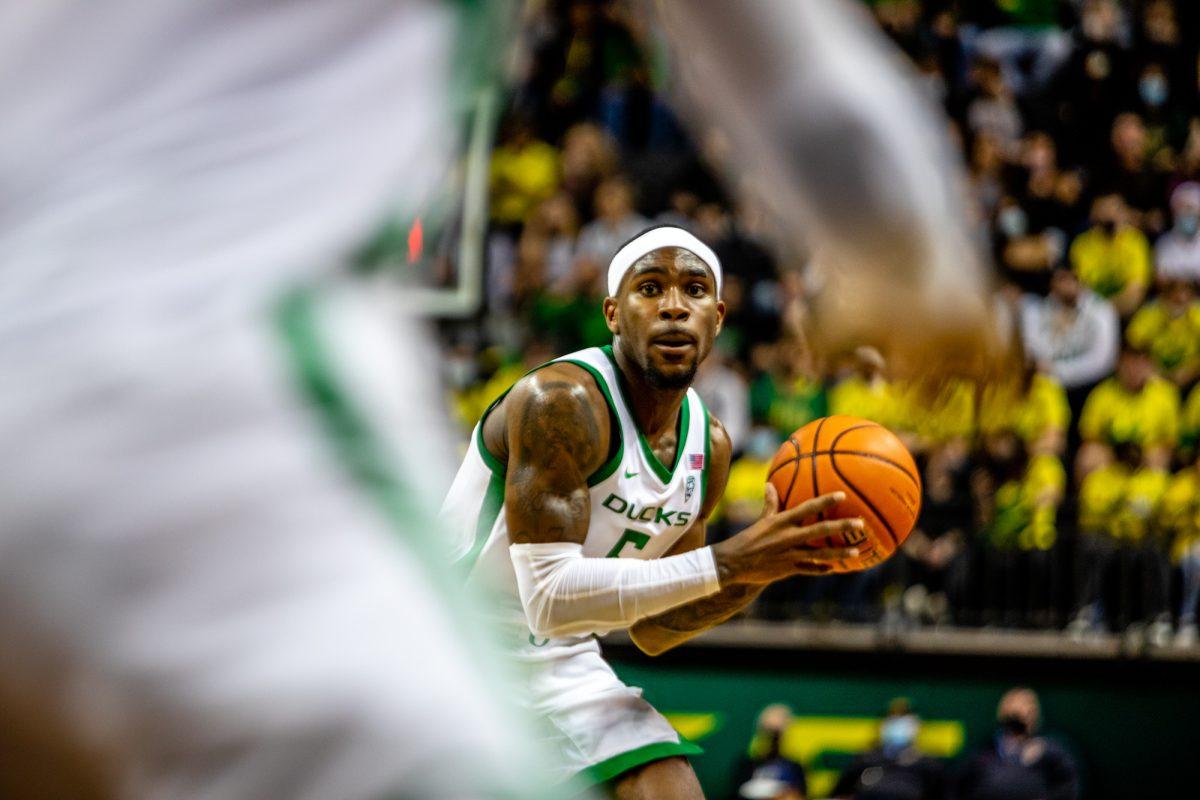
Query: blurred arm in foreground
[(826, 126)]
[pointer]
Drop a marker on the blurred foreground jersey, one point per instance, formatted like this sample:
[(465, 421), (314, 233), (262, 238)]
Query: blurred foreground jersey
[(168, 162), (212, 567)]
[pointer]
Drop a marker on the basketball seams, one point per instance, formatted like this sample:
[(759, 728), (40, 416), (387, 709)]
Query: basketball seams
[(861, 454), (866, 500), (816, 492), (792, 483)]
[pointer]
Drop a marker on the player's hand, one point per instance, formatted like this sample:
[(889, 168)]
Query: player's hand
[(775, 546)]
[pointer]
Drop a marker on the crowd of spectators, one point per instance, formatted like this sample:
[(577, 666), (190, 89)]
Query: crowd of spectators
[(1067, 498), (1017, 763)]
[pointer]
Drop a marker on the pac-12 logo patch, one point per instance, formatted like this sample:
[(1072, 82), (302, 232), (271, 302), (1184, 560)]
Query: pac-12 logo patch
[(689, 487)]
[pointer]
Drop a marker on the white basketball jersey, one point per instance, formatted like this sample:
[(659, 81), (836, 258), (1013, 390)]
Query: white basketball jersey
[(640, 507)]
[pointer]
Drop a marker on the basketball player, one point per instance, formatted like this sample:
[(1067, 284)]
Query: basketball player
[(211, 580), (588, 486)]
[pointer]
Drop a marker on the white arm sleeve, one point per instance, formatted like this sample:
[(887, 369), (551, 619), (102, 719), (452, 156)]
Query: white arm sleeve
[(565, 594)]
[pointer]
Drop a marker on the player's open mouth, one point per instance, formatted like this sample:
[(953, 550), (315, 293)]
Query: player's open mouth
[(674, 345)]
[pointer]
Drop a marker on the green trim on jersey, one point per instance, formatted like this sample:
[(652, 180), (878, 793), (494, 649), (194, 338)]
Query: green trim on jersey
[(664, 474), (610, 768), (604, 470), (609, 467), (707, 454), (348, 432), (492, 462), (493, 501)]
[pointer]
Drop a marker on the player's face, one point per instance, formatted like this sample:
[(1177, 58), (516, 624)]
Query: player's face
[(666, 315)]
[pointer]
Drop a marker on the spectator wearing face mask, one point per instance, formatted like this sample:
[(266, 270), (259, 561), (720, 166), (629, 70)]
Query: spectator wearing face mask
[(894, 769), (765, 773), (1018, 764), (1177, 252), (1112, 258), (1164, 116)]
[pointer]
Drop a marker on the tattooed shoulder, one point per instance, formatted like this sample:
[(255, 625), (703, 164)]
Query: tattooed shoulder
[(556, 416)]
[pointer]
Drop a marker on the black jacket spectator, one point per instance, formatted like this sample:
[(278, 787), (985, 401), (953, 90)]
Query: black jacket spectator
[(1039, 769), (876, 775)]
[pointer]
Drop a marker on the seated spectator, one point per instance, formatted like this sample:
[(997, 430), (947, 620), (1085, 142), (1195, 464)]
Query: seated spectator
[(767, 774), (1168, 328), (789, 393), (616, 221), (1133, 173), (994, 111), (1034, 220), (725, 395), (933, 551), (589, 156), (558, 221), (1018, 764), (1134, 406), (1179, 514), (1073, 331), (864, 392), (681, 210), (1018, 499), (894, 769), (1112, 258), (1177, 252), (524, 172), (1034, 406), (1118, 509)]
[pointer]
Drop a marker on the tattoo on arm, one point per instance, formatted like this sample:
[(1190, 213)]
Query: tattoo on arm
[(554, 441), (708, 613)]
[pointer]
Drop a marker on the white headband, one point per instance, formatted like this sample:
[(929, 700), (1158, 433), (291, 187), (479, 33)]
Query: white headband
[(656, 239)]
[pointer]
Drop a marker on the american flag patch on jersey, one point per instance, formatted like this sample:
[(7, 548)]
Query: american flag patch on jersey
[(695, 461)]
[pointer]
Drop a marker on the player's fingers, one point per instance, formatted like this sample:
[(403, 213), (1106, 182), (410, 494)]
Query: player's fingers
[(830, 554), (811, 508), (771, 500), (832, 527)]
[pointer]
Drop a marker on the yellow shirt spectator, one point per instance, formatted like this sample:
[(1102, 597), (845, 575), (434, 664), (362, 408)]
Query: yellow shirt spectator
[(858, 397), (1172, 341), (1031, 415), (1149, 418), (470, 403), (743, 498), (1108, 265), (1026, 509), (522, 176), (1179, 512), (1120, 501)]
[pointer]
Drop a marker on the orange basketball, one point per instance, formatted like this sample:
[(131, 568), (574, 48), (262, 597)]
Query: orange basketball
[(867, 462)]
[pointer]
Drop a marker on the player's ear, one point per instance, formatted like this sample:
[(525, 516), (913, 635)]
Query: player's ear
[(720, 316), (610, 315)]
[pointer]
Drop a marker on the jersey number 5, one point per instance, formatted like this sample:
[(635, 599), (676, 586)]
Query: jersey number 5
[(636, 538)]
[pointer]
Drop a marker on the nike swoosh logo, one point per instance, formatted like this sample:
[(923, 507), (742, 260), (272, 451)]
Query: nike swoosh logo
[(631, 474)]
